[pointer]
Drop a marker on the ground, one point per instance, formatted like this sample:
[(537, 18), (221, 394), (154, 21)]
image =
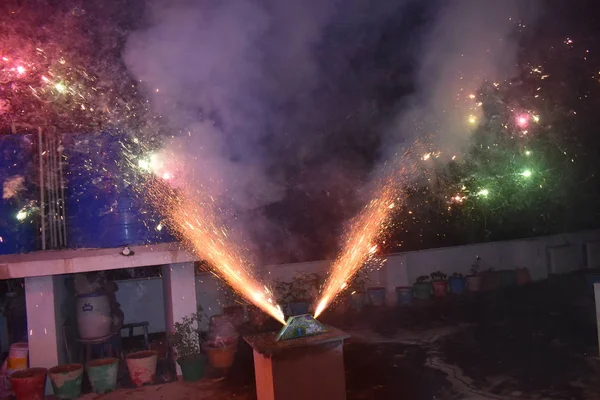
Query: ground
[(536, 341)]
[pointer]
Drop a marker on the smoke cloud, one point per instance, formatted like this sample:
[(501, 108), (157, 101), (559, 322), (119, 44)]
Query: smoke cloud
[(278, 107)]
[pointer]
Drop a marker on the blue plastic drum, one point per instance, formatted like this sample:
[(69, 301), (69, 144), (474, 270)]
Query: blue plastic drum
[(102, 211)]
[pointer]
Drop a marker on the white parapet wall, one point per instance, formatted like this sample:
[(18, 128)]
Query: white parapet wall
[(141, 299)]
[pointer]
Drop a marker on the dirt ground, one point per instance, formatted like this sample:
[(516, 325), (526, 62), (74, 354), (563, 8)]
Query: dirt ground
[(532, 342)]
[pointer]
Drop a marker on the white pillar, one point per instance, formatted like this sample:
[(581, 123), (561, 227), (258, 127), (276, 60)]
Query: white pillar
[(41, 322), (179, 291)]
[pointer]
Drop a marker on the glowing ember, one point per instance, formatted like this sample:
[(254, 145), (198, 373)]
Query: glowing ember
[(197, 226)]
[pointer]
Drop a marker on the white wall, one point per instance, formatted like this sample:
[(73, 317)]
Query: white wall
[(142, 300)]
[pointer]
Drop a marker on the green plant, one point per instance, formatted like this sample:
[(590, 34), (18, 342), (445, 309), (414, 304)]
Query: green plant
[(422, 279), (438, 276), (475, 267), (186, 338), (299, 289), (456, 275), (359, 283)]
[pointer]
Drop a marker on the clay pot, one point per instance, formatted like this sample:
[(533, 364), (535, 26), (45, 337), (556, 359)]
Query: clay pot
[(142, 366), (474, 283), (103, 374), (221, 358), (192, 367), (523, 276), (29, 384), (66, 380)]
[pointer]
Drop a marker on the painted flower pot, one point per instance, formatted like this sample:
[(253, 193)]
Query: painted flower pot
[(490, 281), (440, 288), (103, 374), (422, 291), (192, 367), (357, 300), (523, 276), (508, 278), (66, 380), (142, 366), (458, 285), (376, 296), (17, 356), (404, 295), (221, 357), (29, 384), (474, 283), (298, 308)]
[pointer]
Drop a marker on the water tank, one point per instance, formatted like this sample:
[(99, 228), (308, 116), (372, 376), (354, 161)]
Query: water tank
[(18, 222), (102, 210)]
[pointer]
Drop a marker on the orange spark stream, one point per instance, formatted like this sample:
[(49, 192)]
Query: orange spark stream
[(368, 226), (196, 224)]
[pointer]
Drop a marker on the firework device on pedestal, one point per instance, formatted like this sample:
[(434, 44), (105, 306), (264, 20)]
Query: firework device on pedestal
[(300, 326), (305, 360)]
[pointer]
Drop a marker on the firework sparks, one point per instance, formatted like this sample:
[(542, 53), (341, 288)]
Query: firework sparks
[(197, 226), (369, 226)]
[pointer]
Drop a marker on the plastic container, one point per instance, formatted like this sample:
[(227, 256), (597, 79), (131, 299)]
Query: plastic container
[(404, 295), (457, 285), (102, 211), (103, 374), (17, 356), (18, 227), (94, 319)]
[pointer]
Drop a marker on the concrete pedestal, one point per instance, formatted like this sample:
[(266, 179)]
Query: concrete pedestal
[(306, 368)]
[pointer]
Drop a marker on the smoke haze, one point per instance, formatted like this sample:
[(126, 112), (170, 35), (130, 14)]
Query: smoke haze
[(283, 109)]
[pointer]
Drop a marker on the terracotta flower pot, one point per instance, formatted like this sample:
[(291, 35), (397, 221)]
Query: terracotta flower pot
[(222, 357), (66, 380), (142, 366), (474, 283), (523, 276), (29, 384)]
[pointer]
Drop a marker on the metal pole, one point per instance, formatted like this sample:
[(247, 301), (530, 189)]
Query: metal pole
[(42, 212), (63, 215)]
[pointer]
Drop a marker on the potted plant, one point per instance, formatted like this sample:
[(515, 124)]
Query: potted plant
[(357, 291), (186, 341), (66, 380), (295, 294), (29, 384), (221, 343), (376, 296), (422, 287), (439, 283), (404, 295), (474, 279), (457, 283)]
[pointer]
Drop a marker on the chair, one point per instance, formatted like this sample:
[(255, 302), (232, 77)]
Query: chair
[(143, 325)]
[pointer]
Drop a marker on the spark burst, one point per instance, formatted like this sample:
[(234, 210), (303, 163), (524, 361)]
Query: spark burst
[(196, 224), (369, 225)]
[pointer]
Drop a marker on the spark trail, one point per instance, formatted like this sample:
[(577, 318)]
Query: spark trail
[(196, 224), (369, 226)]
